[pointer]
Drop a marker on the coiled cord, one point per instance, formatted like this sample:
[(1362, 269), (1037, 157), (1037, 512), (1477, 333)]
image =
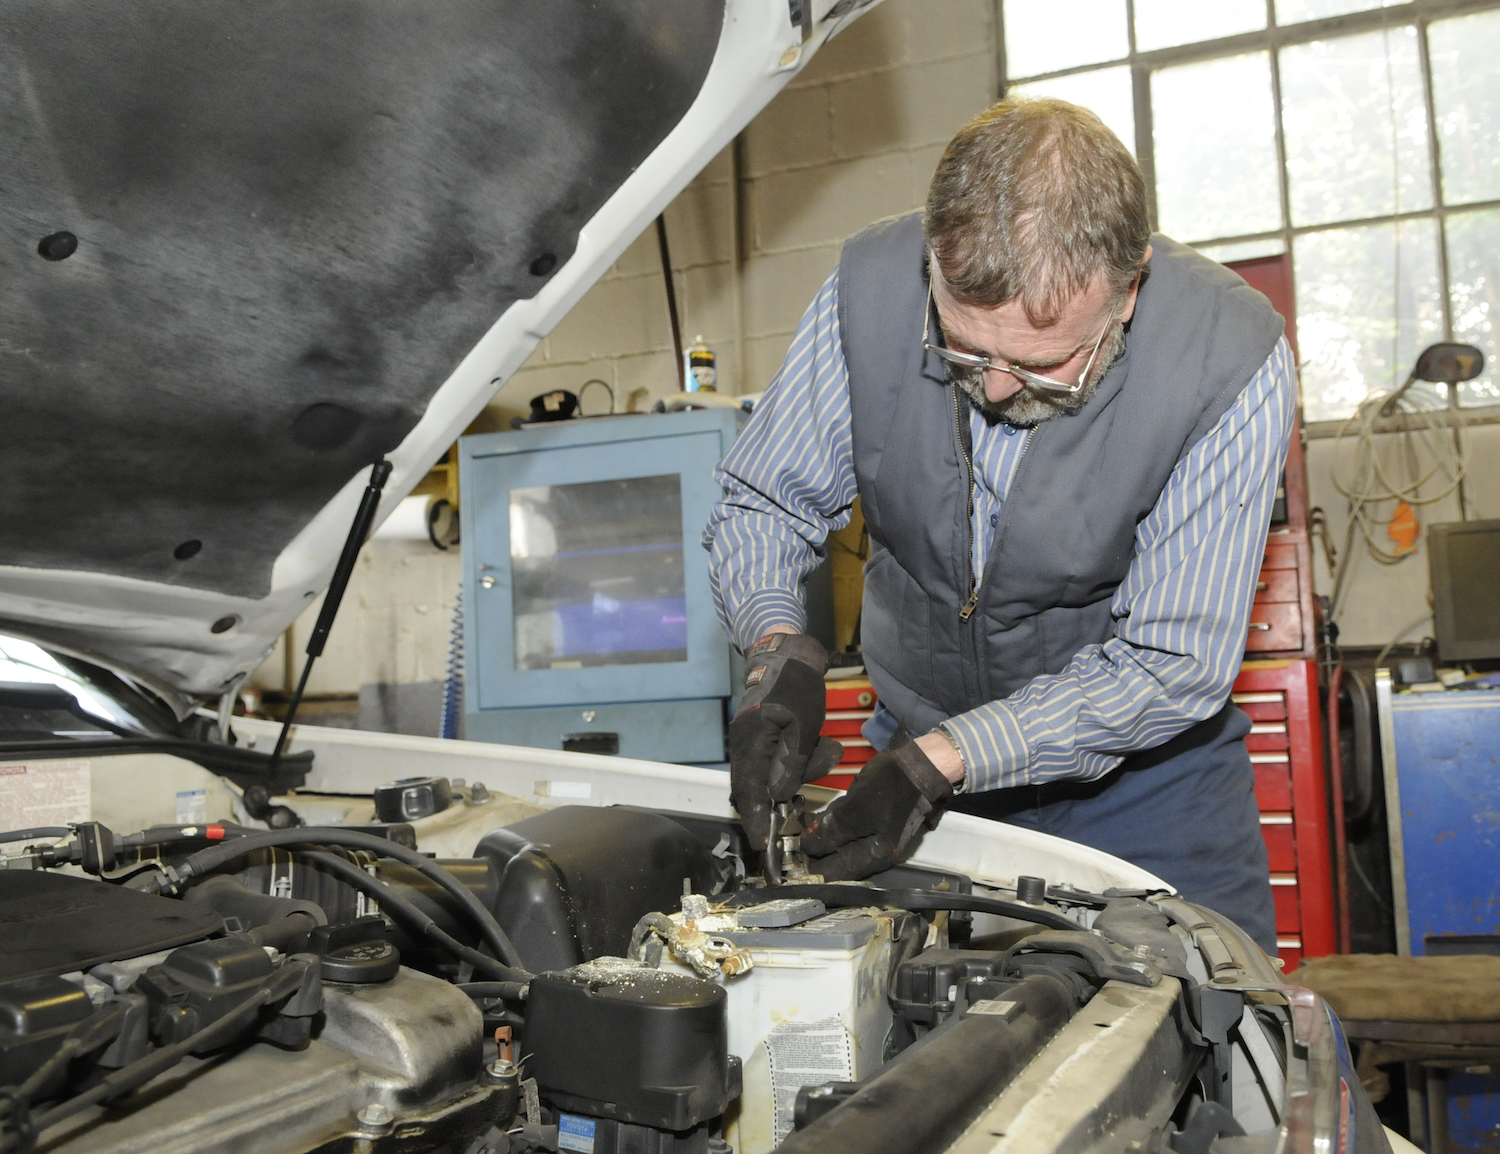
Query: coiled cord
[(453, 682)]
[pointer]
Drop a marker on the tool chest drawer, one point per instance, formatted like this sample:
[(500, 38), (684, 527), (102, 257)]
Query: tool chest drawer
[(1277, 585), (1285, 748), (1274, 626)]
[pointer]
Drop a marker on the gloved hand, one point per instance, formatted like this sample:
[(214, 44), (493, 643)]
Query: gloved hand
[(870, 827), (774, 744)]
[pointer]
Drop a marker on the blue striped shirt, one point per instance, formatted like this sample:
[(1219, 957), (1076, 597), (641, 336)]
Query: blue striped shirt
[(1181, 614)]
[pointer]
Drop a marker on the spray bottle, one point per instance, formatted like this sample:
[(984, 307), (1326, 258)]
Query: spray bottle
[(702, 375)]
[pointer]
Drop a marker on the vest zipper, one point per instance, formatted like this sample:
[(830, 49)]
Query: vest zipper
[(963, 448)]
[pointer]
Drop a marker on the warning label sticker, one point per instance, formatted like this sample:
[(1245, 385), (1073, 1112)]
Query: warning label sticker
[(43, 793), (805, 1054)]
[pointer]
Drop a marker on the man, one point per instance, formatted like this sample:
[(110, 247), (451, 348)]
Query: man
[(1066, 434)]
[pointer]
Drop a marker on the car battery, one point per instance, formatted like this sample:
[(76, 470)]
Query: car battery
[(812, 1008)]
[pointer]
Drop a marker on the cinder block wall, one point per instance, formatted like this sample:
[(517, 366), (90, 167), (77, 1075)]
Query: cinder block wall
[(852, 139)]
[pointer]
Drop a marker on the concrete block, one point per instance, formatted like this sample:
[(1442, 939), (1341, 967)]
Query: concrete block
[(938, 29), (912, 105), (791, 132), (389, 707), (717, 170), (707, 304), (729, 369), (378, 643), (409, 643), (824, 205), (763, 357), (628, 315), (780, 286), (372, 586), (700, 229), (654, 372), (337, 671), (643, 256), (924, 162), (875, 40)]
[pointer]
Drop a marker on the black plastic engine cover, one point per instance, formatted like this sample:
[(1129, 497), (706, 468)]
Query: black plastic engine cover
[(575, 880), (53, 923), (35, 1016), (199, 984), (614, 1039)]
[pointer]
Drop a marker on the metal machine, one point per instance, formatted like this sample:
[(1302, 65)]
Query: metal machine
[(589, 622)]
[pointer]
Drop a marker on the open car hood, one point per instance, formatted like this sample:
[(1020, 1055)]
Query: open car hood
[(252, 246)]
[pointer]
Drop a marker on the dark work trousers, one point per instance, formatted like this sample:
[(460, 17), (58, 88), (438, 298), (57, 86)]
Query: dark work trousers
[(1185, 811)]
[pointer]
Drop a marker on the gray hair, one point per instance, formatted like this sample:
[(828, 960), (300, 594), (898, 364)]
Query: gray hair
[(1032, 200)]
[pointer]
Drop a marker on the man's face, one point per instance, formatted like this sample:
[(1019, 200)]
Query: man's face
[(1061, 350)]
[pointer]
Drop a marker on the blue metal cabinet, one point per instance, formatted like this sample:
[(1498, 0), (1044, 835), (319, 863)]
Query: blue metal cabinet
[(1442, 780), (1442, 786), (567, 636)]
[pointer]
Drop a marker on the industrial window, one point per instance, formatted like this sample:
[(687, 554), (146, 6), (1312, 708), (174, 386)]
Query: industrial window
[(1361, 138)]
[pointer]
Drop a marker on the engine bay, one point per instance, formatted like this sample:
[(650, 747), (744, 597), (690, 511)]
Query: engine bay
[(607, 980)]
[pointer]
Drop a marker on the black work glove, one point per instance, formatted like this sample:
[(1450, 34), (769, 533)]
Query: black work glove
[(774, 744), (870, 827)]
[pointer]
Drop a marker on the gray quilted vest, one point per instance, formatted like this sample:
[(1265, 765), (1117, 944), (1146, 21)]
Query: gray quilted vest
[(1066, 537)]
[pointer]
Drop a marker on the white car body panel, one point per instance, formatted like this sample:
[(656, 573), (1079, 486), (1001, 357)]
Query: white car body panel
[(354, 762)]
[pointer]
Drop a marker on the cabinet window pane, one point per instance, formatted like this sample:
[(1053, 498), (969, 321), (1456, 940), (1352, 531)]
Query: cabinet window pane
[(1474, 278), (1040, 38), (1356, 127), (1165, 23), (1466, 94), (1215, 141), (1368, 301), (1296, 11), (1106, 93)]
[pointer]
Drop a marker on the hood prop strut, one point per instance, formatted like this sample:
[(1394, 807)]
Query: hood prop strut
[(358, 532)]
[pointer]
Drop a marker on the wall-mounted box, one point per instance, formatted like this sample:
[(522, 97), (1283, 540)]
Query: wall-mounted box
[(588, 611)]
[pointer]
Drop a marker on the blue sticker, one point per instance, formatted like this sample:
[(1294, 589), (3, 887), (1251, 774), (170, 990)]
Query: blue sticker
[(575, 1133)]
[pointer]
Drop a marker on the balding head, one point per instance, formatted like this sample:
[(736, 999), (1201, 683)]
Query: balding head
[(1032, 201)]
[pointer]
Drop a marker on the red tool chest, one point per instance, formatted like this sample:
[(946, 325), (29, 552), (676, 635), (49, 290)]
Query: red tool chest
[(850, 704), (1286, 748)]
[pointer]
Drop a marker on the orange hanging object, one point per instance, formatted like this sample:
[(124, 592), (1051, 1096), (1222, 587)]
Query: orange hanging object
[(1403, 529)]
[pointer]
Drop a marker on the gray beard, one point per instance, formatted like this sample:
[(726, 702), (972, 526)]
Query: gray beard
[(1030, 407)]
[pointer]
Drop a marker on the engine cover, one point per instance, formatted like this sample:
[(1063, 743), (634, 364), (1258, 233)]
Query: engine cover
[(55, 924), (574, 880), (614, 1039)]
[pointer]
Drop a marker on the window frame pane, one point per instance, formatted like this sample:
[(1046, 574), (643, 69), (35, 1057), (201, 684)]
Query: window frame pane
[(1148, 32), (1083, 26), (1051, 87), (1296, 23), (1176, 211), (1320, 147)]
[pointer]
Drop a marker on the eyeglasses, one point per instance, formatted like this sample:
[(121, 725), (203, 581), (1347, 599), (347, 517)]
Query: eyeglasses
[(1036, 380)]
